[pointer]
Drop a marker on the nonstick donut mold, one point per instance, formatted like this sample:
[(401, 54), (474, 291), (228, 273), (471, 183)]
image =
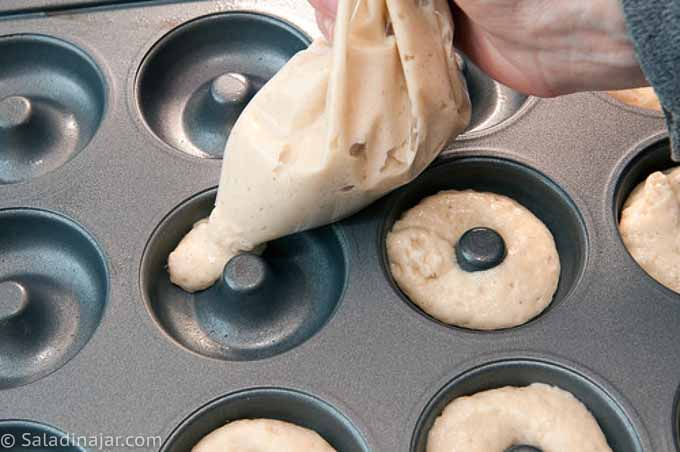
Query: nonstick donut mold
[(124, 103), (262, 306), (52, 99)]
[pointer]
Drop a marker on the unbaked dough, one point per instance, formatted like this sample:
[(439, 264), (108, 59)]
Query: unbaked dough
[(337, 128), (650, 227), (421, 252), (539, 415), (640, 97), (262, 435)]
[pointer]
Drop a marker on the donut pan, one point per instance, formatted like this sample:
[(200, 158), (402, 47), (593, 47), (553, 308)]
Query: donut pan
[(112, 123)]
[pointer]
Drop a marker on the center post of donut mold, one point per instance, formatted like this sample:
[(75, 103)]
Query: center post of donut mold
[(13, 300), (480, 249), (15, 111), (523, 448)]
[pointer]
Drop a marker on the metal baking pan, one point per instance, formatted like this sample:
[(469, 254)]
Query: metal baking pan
[(108, 153)]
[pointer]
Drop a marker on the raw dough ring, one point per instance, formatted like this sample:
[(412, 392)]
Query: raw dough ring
[(421, 253), (645, 98), (650, 227), (539, 415), (262, 435)]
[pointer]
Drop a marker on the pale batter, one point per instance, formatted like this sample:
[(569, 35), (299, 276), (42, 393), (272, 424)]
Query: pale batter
[(650, 227), (539, 416), (421, 252), (262, 435), (640, 97), (335, 130)]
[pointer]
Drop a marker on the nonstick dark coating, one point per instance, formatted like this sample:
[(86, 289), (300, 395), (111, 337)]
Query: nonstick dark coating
[(369, 371)]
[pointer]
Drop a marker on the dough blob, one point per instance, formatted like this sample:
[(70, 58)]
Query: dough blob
[(262, 435), (539, 415), (421, 252), (640, 97), (650, 227), (337, 128)]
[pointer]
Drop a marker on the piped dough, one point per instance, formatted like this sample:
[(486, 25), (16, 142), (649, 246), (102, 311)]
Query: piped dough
[(337, 128), (539, 416), (262, 435), (421, 253), (650, 227), (639, 97)]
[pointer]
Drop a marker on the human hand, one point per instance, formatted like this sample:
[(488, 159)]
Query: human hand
[(540, 47), (325, 15)]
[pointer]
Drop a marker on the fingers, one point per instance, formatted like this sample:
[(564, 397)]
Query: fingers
[(326, 25), (326, 7), (325, 16), (483, 49)]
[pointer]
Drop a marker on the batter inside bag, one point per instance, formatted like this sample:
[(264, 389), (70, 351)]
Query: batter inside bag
[(337, 128)]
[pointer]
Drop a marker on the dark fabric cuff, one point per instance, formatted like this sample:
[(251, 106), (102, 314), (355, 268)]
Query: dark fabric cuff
[(673, 121), (654, 26)]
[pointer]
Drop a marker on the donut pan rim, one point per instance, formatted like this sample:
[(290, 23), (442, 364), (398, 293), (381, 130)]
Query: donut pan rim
[(374, 360)]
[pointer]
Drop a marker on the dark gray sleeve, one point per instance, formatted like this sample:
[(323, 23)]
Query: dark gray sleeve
[(655, 28)]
